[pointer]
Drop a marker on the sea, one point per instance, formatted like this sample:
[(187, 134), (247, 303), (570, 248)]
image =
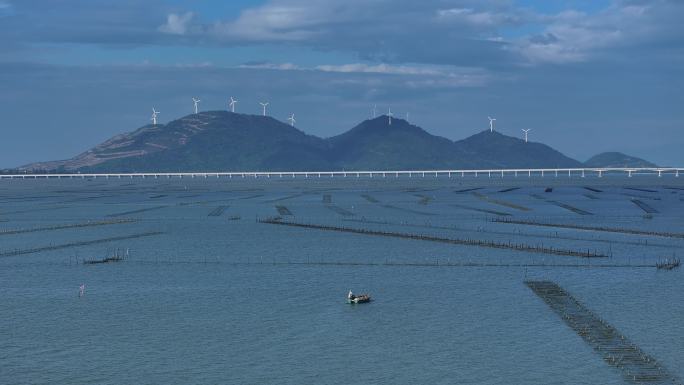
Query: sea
[(244, 280)]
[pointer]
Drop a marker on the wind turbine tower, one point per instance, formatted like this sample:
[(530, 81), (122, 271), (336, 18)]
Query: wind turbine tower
[(491, 124), (407, 115), (264, 107), (154, 116), (526, 131), (232, 104), (389, 115), (292, 120), (196, 101), (375, 111)]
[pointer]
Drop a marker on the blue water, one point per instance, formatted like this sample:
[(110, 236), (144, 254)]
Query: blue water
[(204, 302)]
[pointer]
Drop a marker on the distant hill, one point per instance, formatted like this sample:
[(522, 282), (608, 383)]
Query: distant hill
[(225, 141), (496, 150), (211, 141), (618, 160), (374, 144)]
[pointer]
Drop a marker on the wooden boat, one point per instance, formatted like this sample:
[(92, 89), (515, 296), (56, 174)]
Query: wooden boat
[(363, 298)]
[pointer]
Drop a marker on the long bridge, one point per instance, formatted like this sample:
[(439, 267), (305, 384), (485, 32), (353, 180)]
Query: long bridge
[(531, 172)]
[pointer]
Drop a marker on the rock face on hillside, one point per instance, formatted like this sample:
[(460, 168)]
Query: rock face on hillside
[(618, 160), (225, 141)]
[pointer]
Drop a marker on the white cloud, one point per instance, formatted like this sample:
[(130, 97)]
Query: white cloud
[(470, 16), (381, 69), (572, 36), (414, 76), (272, 66), (177, 24), (277, 21), (5, 8)]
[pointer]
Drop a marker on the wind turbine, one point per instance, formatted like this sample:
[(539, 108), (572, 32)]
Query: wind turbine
[(389, 115), (264, 106), (292, 120), (526, 131), (407, 115), (196, 101), (154, 116), (232, 104), (375, 111), (491, 124)]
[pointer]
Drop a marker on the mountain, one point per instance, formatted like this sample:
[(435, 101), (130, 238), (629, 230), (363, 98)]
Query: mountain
[(496, 150), (374, 144), (617, 159), (225, 141), (210, 141)]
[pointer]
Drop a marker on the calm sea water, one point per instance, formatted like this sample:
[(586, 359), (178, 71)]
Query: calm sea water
[(203, 302)]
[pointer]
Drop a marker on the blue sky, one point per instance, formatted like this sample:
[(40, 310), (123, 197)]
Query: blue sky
[(585, 76)]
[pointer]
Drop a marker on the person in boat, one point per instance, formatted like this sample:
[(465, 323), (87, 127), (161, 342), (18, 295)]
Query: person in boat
[(351, 296)]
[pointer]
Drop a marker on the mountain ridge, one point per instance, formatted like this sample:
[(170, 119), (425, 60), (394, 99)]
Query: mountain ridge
[(617, 159), (226, 141)]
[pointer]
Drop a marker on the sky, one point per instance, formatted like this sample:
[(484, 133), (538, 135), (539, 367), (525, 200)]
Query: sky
[(586, 76)]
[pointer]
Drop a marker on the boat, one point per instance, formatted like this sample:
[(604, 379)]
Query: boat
[(363, 298), (668, 264)]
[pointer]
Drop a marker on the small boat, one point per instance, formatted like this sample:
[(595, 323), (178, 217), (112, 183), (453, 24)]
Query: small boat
[(668, 264), (363, 298)]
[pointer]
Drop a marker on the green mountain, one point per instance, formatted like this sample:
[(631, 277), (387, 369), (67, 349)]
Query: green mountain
[(225, 141), (375, 144), (617, 159), (496, 150)]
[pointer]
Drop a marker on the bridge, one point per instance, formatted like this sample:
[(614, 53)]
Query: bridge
[(534, 172)]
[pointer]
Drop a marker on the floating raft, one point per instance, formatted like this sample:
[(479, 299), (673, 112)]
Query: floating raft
[(637, 367), (422, 237)]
